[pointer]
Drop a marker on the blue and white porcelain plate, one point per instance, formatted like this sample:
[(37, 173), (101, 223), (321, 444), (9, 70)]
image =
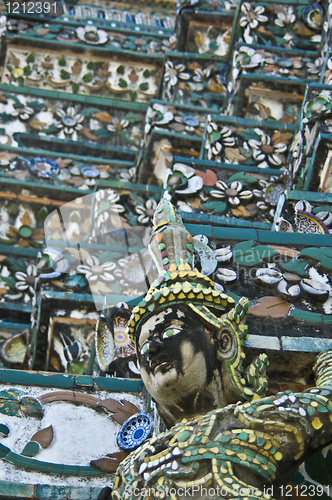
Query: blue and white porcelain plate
[(43, 167), (134, 431)]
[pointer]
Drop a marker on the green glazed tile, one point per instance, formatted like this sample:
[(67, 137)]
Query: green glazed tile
[(31, 449), (41, 466), (84, 380), (89, 471), (51, 492), (56, 468), (17, 459), (17, 490)]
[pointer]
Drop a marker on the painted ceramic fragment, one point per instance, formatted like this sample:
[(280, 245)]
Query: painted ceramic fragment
[(14, 350), (135, 431)]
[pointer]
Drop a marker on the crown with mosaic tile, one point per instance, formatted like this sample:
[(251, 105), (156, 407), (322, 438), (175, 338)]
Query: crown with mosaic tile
[(172, 249)]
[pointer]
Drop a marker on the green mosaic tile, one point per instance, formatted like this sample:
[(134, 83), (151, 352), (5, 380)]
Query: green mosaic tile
[(42, 379), (51, 492), (183, 436), (261, 459), (84, 380), (306, 315), (224, 439), (264, 473), (41, 466), (89, 471), (81, 493), (71, 469), (56, 468), (16, 459), (118, 384), (17, 490), (189, 459), (3, 450)]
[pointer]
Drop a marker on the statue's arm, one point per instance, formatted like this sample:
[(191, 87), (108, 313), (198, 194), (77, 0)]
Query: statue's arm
[(323, 369), (300, 422)]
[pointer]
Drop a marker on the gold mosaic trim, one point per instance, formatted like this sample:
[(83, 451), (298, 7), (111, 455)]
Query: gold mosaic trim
[(179, 293)]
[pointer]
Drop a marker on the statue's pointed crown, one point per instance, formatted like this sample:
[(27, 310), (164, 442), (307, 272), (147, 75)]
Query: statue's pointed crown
[(179, 283)]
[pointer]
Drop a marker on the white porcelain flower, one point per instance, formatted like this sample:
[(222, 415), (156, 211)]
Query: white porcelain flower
[(265, 152), (173, 73), (201, 75), (128, 176), (285, 17), (69, 120), (93, 270), (252, 17), (106, 203), (145, 213), (315, 67), (234, 192), (24, 113), (90, 34), (218, 139), (25, 281), (117, 125)]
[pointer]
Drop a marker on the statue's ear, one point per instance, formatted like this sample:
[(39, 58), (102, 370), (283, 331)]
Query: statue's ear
[(227, 342), (232, 332)]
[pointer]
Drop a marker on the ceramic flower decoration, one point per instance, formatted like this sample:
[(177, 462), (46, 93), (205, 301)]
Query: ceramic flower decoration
[(70, 121), (182, 180), (233, 192), (93, 270), (92, 35), (43, 167)]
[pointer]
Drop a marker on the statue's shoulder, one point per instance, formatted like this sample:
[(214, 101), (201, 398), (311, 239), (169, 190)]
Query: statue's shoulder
[(174, 442)]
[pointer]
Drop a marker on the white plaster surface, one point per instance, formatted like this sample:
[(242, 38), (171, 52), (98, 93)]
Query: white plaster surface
[(81, 434)]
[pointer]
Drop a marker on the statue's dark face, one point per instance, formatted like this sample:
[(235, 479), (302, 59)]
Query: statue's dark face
[(178, 363)]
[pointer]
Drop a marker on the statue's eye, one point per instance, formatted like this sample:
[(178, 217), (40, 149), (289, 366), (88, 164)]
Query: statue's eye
[(145, 348), (170, 332)]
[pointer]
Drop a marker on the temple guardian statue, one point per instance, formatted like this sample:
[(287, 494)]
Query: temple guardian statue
[(224, 438)]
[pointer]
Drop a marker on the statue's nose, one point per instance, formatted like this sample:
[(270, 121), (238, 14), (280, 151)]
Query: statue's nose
[(155, 348)]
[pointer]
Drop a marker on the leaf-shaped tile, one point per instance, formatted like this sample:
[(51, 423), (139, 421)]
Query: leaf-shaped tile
[(296, 266), (44, 437), (4, 429), (26, 219), (274, 307), (9, 404), (111, 463), (122, 410), (31, 407), (31, 449)]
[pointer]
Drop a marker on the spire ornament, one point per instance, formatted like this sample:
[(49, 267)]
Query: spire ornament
[(179, 282)]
